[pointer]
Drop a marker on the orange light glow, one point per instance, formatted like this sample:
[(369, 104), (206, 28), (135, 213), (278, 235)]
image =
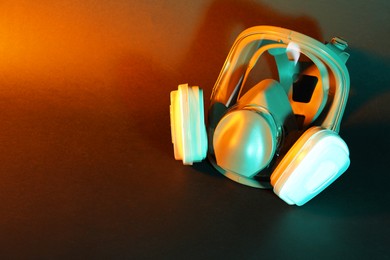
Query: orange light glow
[(76, 39)]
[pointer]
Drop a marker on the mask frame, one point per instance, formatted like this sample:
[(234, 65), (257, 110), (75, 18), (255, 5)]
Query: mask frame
[(246, 50)]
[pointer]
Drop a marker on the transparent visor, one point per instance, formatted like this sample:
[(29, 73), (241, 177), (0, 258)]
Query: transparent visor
[(291, 53)]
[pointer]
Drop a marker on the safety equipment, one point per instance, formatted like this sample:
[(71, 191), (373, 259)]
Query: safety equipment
[(281, 133)]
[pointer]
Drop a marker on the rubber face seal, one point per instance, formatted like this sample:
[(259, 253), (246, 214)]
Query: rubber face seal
[(187, 124), (315, 161)]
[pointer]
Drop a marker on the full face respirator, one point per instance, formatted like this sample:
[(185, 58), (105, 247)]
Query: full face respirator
[(281, 133)]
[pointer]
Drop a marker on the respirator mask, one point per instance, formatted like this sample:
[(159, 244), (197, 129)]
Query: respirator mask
[(279, 133)]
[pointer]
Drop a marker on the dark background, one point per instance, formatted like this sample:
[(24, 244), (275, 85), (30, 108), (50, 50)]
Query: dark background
[(86, 160)]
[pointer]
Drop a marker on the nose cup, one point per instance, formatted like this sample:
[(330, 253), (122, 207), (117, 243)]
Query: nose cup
[(244, 142)]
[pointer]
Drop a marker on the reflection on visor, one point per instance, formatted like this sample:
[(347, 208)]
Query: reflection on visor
[(293, 50)]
